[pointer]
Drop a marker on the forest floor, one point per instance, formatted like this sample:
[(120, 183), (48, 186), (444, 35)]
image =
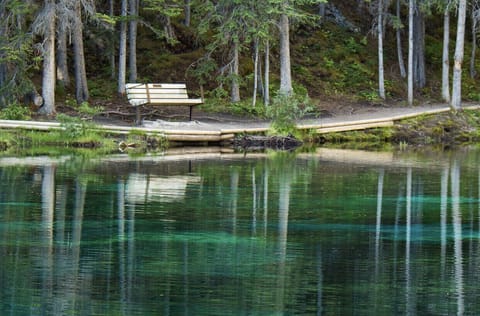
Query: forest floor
[(119, 112), (334, 111)]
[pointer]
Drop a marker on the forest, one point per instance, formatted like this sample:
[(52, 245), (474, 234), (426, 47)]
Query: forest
[(243, 52)]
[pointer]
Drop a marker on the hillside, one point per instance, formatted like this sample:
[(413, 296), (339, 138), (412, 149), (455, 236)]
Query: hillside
[(335, 62)]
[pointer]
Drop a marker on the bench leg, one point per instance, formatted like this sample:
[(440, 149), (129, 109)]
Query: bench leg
[(191, 112), (138, 121)]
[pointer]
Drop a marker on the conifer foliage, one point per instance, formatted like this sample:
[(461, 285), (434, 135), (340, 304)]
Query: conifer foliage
[(63, 44)]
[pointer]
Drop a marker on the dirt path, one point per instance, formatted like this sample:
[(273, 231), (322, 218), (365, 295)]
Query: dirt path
[(367, 116)]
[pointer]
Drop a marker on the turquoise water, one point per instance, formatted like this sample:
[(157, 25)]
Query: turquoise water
[(331, 232)]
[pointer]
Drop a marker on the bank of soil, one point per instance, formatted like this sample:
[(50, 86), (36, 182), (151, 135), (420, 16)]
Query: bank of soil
[(446, 128)]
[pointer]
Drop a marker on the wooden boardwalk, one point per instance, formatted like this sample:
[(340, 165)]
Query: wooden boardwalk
[(196, 131)]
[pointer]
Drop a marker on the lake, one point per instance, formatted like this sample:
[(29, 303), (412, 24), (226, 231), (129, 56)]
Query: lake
[(328, 232)]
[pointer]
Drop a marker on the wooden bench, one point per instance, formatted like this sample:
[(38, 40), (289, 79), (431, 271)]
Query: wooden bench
[(159, 94)]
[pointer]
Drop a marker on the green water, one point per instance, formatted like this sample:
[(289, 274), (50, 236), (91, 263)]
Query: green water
[(325, 233)]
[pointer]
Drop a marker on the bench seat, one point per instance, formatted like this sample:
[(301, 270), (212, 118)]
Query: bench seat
[(159, 94)]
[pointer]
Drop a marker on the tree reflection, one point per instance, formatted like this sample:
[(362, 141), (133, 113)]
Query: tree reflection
[(121, 244), (443, 217), (457, 236), (48, 207), (378, 225), (331, 246), (408, 291)]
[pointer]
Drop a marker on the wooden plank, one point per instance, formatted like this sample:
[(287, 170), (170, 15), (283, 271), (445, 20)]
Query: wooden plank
[(357, 127), (156, 96), (176, 101), (193, 138), (167, 85), (157, 91), (156, 85)]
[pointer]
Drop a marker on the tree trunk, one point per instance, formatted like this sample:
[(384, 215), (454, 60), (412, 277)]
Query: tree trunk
[(168, 28), (111, 12), (235, 94), (266, 92), (132, 41), (255, 73), (285, 68), (122, 53), (381, 80), (445, 57), (63, 77), (401, 64), (48, 75), (419, 76), (3, 81), (321, 11), (187, 13), (411, 9), (81, 87), (475, 17), (459, 50), (3, 65)]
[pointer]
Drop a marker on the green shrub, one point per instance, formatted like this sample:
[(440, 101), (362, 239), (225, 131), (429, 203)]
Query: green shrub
[(15, 112), (88, 111), (73, 127), (286, 110)]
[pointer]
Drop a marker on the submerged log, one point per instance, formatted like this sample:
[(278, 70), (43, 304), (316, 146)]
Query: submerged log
[(267, 142)]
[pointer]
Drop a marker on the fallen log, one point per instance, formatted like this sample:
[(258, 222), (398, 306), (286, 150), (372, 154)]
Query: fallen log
[(267, 142)]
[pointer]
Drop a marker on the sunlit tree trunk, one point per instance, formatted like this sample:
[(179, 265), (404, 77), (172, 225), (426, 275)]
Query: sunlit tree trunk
[(63, 76), (48, 76), (132, 41), (122, 53), (285, 68), (4, 29), (321, 11), (81, 87), (266, 94), (111, 12), (255, 73), (381, 79), (419, 76), (475, 18), (235, 94), (458, 61), (445, 57), (401, 64), (187, 13), (411, 9)]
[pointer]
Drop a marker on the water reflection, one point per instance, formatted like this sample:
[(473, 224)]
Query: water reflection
[(457, 236), (323, 233)]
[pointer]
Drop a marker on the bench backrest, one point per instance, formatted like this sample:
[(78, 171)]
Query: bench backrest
[(149, 92)]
